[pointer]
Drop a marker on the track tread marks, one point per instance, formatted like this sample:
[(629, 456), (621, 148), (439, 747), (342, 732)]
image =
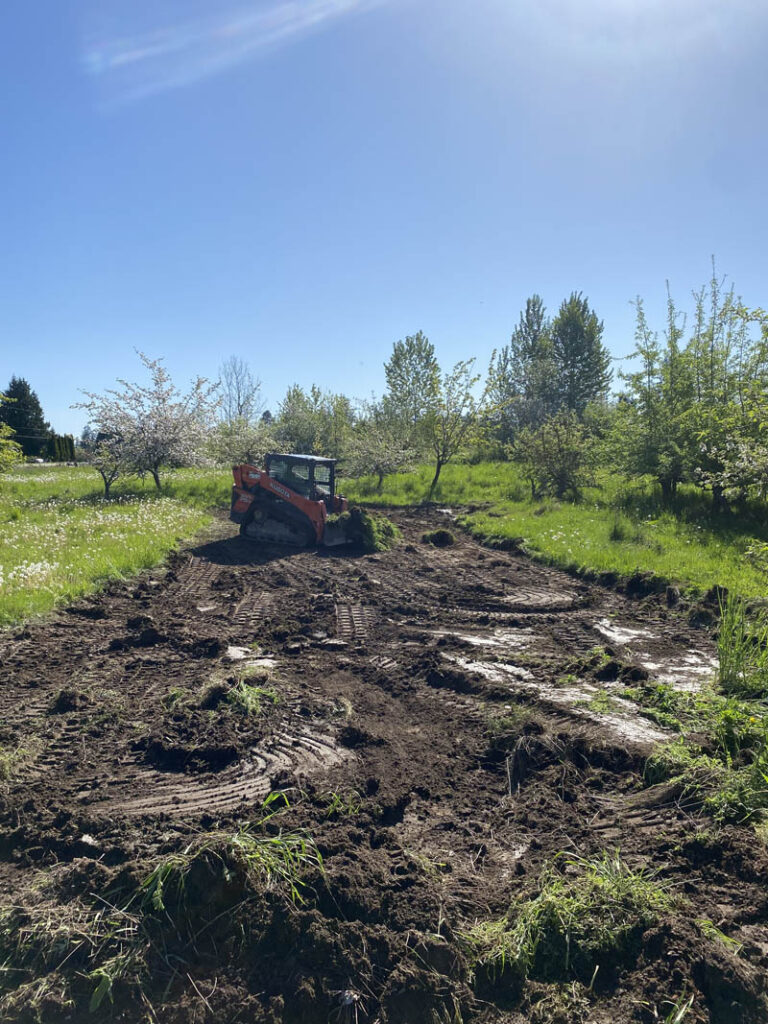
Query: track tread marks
[(353, 621)]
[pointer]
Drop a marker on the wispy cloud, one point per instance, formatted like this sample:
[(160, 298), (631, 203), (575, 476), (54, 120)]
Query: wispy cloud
[(136, 62)]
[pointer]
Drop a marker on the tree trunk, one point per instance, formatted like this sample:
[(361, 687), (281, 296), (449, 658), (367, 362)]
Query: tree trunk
[(435, 478), (381, 481), (719, 502), (107, 481), (156, 477)]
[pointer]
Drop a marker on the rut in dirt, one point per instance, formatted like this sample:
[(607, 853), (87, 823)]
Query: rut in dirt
[(429, 717)]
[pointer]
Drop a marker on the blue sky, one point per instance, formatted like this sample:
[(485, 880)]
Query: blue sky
[(302, 183)]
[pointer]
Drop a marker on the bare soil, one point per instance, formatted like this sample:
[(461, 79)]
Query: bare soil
[(435, 731)]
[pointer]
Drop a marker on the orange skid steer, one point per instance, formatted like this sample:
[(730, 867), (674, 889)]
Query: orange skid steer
[(289, 501)]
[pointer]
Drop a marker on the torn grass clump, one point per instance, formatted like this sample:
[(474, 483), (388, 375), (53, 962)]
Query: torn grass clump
[(589, 918), (439, 538), (369, 530)]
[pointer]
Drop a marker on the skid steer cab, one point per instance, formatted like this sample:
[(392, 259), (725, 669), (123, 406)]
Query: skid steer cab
[(289, 501)]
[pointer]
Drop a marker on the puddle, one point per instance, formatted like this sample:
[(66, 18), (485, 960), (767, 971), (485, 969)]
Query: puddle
[(518, 639), (689, 670), (622, 717), (622, 634), (494, 672)]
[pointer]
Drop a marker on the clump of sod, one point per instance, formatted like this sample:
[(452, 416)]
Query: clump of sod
[(369, 530), (590, 919), (439, 538)]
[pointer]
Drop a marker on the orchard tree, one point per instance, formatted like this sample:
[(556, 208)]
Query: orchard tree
[(155, 425), (240, 440), (315, 422), (557, 457), (582, 364), (10, 451), (378, 445), (650, 433), (451, 417), (23, 414)]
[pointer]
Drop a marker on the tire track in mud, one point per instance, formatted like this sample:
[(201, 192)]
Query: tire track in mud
[(284, 756)]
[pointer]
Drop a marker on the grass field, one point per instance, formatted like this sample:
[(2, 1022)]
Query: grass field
[(617, 527), (60, 539)]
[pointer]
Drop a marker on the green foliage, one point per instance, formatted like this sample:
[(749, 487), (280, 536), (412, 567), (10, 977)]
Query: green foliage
[(250, 698), (438, 538), (557, 458), (695, 410), (246, 860), (413, 379), (313, 423), (369, 530), (10, 451), (451, 419), (582, 363), (742, 647), (590, 917), (520, 376), (343, 805), (22, 412)]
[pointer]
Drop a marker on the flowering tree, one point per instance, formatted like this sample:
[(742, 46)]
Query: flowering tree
[(379, 445), (240, 440), (143, 428)]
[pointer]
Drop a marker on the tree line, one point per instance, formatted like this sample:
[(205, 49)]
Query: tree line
[(691, 407), (24, 431)]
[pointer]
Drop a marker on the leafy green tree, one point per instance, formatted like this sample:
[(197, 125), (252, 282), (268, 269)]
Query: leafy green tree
[(314, 423), (452, 417), (10, 451), (378, 445), (651, 429), (582, 364), (557, 458), (521, 374), (23, 414), (413, 380)]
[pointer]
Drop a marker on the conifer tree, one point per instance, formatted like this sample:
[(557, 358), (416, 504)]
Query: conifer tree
[(23, 414)]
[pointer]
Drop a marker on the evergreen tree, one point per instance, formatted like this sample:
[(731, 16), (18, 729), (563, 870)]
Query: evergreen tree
[(23, 413), (581, 361)]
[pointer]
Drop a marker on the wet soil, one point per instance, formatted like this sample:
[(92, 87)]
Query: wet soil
[(431, 715)]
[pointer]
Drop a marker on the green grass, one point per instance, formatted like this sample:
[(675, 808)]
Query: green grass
[(59, 538), (589, 917), (725, 770), (619, 527)]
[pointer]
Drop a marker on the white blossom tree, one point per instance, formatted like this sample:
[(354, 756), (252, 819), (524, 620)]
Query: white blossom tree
[(143, 428), (240, 440)]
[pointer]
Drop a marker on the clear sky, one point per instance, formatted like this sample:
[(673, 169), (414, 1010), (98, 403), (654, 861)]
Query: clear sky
[(302, 183)]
